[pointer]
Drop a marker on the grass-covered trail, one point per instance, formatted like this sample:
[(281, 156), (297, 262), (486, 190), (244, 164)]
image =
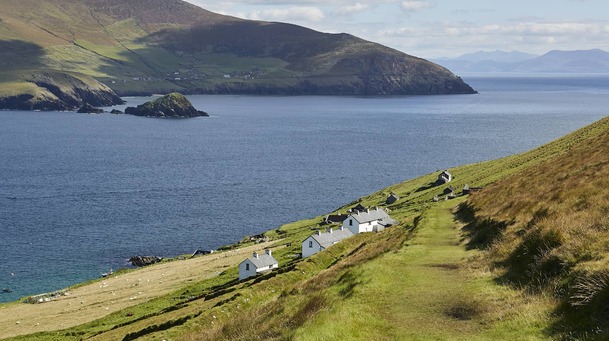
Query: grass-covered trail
[(428, 290)]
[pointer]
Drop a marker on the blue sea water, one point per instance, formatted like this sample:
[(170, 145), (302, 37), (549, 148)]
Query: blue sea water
[(79, 194)]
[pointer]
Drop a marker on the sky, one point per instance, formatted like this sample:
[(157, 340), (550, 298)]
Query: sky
[(442, 28)]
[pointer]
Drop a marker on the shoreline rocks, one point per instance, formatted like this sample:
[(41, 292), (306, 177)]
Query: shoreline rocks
[(89, 109), (141, 261)]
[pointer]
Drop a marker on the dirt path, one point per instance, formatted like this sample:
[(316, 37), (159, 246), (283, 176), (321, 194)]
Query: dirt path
[(428, 290), (96, 300)]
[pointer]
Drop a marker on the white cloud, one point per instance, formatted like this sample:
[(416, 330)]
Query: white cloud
[(351, 9), (288, 14), (534, 37), (414, 5)]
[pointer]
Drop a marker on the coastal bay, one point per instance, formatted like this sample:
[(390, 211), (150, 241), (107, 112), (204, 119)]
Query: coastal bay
[(82, 193)]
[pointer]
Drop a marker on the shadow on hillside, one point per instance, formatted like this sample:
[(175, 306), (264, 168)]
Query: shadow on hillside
[(246, 38), (582, 322), (582, 312), (20, 55), (478, 234)]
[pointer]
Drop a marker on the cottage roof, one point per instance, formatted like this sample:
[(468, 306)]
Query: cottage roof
[(392, 198), (328, 239), (358, 207), (373, 215), (263, 260), (335, 218)]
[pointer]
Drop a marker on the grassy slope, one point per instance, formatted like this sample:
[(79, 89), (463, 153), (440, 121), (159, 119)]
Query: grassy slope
[(549, 233), (422, 287)]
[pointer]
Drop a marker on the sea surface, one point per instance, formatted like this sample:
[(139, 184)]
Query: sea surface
[(80, 194)]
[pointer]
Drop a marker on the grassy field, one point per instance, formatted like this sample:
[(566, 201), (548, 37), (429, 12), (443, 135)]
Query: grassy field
[(85, 303)]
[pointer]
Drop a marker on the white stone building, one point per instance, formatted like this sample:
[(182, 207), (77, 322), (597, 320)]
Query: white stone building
[(368, 221), (321, 241), (257, 264)]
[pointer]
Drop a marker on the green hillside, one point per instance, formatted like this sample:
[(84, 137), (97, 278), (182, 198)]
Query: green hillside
[(522, 259), (140, 47), (549, 233)]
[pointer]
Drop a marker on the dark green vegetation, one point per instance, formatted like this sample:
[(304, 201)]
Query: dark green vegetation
[(141, 47), (523, 259), (172, 105)]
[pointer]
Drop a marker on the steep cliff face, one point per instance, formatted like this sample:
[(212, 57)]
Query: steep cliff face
[(60, 91), (394, 73), (75, 91)]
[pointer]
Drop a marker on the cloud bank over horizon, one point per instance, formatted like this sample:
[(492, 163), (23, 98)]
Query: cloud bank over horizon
[(442, 28)]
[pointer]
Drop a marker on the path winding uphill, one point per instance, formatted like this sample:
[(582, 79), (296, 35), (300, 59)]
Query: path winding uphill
[(429, 291), (93, 301)]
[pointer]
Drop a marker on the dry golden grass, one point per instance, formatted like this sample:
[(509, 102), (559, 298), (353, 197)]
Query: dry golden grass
[(93, 301), (556, 235)]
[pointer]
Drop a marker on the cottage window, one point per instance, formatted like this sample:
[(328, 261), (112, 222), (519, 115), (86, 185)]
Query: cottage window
[(350, 222), (247, 266), (310, 243)]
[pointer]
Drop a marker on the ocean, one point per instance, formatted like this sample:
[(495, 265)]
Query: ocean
[(80, 194)]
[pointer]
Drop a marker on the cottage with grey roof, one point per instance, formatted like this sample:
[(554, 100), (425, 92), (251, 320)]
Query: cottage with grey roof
[(444, 178), (334, 218), (368, 221), (257, 264), (392, 199), (321, 241)]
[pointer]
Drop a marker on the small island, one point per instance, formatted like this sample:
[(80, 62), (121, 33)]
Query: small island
[(173, 105)]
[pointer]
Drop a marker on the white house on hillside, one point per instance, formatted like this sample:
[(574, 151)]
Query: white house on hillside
[(321, 241), (368, 221), (257, 264), (444, 178)]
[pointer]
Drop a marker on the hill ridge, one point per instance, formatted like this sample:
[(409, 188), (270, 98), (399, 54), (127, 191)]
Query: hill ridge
[(137, 48)]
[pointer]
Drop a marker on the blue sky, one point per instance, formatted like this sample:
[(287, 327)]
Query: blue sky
[(443, 28)]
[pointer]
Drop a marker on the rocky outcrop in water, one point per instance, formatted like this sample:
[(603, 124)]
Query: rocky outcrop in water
[(173, 105), (89, 109)]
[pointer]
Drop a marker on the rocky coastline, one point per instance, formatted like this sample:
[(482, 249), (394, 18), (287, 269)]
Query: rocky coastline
[(57, 91)]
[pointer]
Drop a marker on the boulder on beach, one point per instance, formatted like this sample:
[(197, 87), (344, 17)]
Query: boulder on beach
[(140, 261)]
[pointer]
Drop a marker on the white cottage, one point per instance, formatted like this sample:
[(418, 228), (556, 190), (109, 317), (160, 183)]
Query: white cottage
[(368, 221), (321, 241), (444, 178), (257, 264)]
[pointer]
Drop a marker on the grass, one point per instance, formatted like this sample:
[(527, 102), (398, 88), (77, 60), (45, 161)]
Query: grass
[(556, 231), (427, 291), (8, 89)]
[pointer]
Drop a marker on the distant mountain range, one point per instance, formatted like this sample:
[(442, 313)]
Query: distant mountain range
[(140, 47), (579, 61)]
